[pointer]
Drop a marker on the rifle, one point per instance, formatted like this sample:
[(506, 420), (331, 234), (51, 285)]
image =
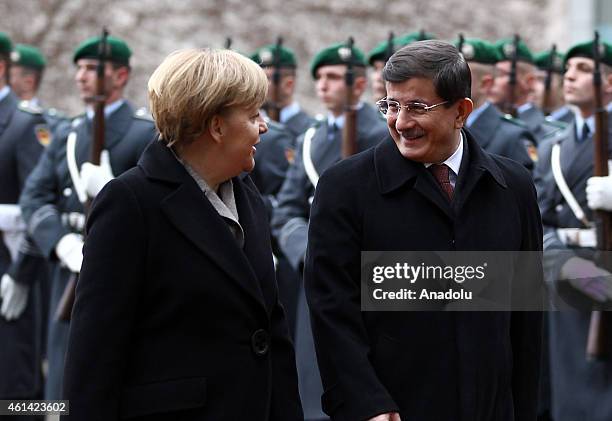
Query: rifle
[(228, 43), (461, 43), (390, 47), (599, 327), (274, 108), (511, 109), (64, 308), (422, 35), (349, 132), (548, 81)]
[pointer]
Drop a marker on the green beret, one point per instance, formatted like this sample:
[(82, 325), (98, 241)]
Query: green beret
[(28, 56), (505, 48), (585, 49), (119, 50), (478, 51), (6, 46), (265, 55), (337, 54), (543, 61), (380, 51)]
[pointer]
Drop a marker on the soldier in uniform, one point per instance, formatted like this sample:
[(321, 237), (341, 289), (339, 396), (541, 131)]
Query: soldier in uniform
[(274, 154), (291, 114), (377, 58), (27, 68), (549, 64), (23, 136), (52, 200), (316, 151), (502, 95), (495, 132), (581, 389)]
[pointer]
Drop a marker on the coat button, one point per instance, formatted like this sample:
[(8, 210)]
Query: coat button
[(260, 342), (559, 207)]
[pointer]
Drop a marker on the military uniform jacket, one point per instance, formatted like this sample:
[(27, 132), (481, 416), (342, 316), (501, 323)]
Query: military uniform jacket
[(20, 149), (581, 389), (537, 123), (184, 324), (495, 134), (49, 192), (271, 161), (299, 123), (290, 217), (429, 366)]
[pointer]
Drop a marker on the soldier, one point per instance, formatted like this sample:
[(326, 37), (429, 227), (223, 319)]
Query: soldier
[(495, 132), (581, 389), (291, 115), (551, 66), (23, 136), (378, 56), (27, 68), (276, 151), (316, 151), (52, 200), (517, 97)]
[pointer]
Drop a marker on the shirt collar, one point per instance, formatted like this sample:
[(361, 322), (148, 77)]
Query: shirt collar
[(581, 121), (4, 92), (289, 111), (108, 109), (476, 113), (525, 107), (454, 161)]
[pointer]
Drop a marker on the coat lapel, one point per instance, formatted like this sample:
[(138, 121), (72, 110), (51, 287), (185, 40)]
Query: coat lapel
[(190, 212), (7, 107), (394, 172)]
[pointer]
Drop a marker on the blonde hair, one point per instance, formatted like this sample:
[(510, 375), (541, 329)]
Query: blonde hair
[(190, 86)]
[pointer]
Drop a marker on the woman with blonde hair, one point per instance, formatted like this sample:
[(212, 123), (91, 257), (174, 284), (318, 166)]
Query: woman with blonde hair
[(177, 315)]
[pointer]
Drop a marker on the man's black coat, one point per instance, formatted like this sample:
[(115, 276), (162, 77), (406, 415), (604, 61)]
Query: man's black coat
[(173, 320), (471, 366)]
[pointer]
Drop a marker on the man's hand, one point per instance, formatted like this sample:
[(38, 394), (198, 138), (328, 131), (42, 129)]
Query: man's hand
[(599, 193), (589, 279), (14, 297), (390, 416), (69, 250), (95, 177)]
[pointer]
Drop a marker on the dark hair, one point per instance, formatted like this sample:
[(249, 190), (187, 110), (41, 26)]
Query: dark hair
[(438, 61)]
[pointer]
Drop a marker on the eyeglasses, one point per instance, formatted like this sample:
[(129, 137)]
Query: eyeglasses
[(390, 108)]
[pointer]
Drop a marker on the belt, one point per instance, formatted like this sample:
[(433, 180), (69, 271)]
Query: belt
[(578, 237)]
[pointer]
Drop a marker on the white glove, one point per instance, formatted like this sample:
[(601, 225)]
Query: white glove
[(10, 218), (14, 297), (94, 177), (599, 193), (589, 279), (69, 250)]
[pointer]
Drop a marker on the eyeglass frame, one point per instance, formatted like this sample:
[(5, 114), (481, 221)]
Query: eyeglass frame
[(426, 108)]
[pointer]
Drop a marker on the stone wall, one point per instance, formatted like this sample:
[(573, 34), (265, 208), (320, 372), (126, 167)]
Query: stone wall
[(153, 28)]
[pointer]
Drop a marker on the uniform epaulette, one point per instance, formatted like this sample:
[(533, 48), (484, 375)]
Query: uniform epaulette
[(510, 119), (77, 119), (30, 108), (54, 112), (274, 124), (143, 114), (555, 123)]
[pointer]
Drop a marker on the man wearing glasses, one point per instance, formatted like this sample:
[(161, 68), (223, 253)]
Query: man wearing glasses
[(428, 186)]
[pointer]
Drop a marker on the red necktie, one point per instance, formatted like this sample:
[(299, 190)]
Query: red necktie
[(441, 172)]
